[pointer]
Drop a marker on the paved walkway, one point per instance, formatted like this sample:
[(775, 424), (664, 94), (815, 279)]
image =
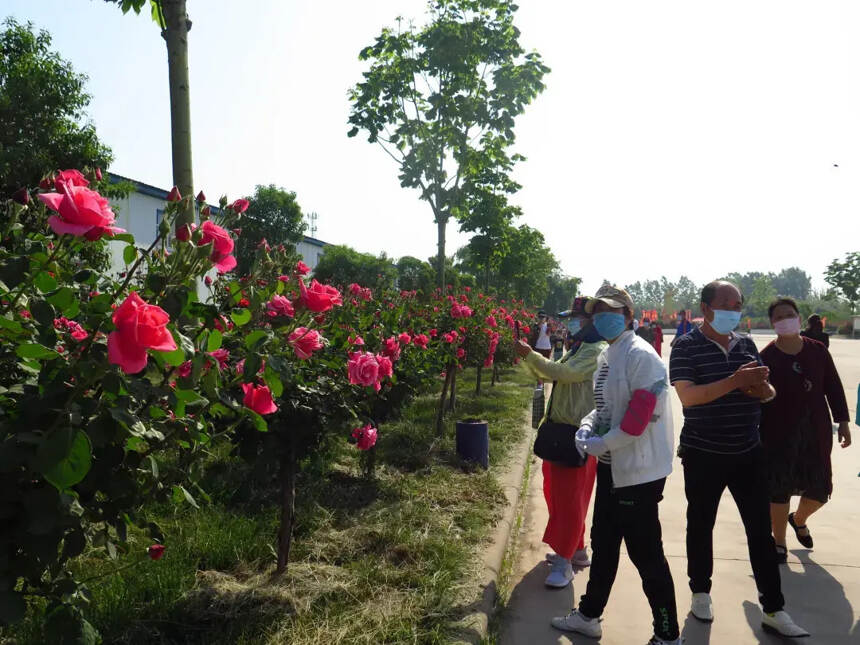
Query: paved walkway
[(822, 587)]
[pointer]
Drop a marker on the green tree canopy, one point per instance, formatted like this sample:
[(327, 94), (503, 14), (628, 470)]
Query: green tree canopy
[(43, 105), (441, 100), (415, 275), (342, 265), (562, 289), (274, 215), (845, 276)]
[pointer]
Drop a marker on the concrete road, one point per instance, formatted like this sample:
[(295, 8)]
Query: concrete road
[(822, 586)]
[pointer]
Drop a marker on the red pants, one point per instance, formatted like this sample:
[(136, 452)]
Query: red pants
[(568, 494)]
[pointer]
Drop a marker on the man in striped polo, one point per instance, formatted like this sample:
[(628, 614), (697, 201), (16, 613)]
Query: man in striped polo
[(721, 382)]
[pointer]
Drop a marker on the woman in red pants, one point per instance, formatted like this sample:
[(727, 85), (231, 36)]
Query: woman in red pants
[(568, 490)]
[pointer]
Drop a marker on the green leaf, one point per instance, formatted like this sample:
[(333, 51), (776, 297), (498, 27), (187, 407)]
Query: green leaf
[(123, 237), (75, 452), (42, 312), (11, 325), (259, 422), (253, 339), (129, 254), (180, 494), (174, 358), (35, 350), (215, 340), (63, 299), (241, 317), (45, 282), (12, 607), (274, 382), (65, 625)]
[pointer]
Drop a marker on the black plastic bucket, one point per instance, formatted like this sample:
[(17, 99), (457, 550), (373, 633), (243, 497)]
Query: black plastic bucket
[(473, 441)]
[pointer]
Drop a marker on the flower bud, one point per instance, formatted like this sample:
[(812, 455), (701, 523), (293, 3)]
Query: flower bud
[(22, 196), (201, 197), (174, 195), (98, 174)]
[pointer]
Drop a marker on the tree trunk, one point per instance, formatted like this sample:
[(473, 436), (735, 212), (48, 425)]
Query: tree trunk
[(478, 380), (288, 504), (452, 399), (440, 413), (440, 254), (495, 375), (176, 35)]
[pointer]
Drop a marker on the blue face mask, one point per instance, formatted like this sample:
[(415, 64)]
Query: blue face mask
[(609, 325), (724, 321), (574, 325)]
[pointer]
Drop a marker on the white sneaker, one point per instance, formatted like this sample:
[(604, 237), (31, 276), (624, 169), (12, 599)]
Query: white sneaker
[(560, 575), (702, 607), (576, 622), (781, 623), (581, 559), (552, 556)]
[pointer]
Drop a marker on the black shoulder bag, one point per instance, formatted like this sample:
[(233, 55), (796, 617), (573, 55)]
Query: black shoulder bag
[(556, 442)]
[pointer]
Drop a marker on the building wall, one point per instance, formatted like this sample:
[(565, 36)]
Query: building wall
[(311, 250), (139, 214)]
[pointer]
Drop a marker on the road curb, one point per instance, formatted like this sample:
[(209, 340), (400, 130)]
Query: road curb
[(473, 628)]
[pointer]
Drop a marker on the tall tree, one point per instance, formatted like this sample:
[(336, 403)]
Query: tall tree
[(441, 100), (793, 282), (562, 289), (845, 276), (342, 265), (415, 274), (42, 109), (273, 215), (172, 18)]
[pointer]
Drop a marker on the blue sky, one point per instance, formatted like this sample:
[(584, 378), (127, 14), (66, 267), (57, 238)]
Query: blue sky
[(673, 137)]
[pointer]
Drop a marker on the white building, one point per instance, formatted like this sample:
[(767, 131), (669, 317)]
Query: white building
[(140, 214)]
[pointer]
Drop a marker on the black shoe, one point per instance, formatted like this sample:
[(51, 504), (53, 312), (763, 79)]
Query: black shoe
[(781, 554), (805, 540)]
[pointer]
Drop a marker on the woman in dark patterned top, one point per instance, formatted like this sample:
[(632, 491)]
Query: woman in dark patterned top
[(795, 427)]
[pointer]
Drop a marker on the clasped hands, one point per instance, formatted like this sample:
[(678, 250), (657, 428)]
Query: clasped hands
[(751, 379), (588, 443)]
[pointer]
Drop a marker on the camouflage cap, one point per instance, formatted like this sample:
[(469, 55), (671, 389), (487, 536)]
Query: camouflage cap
[(612, 296)]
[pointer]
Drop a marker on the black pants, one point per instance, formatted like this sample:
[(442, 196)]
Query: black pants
[(706, 476), (630, 513)]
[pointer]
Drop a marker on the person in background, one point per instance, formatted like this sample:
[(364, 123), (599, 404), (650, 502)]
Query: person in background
[(645, 332), (684, 327), (815, 330), (721, 382), (795, 426), (630, 431), (658, 338), (543, 344), (568, 490), (558, 348)]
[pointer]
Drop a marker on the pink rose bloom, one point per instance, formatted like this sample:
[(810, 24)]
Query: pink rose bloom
[(488, 362), (70, 177), (305, 342), (258, 398), (240, 366), (139, 326), (221, 355), (358, 340), (404, 338), (365, 438), (433, 333), (354, 288), (174, 195), (281, 306), (319, 297), (448, 338), (491, 321), (366, 294), (79, 210), (421, 341), (363, 369), (391, 348), (183, 233), (222, 246), (284, 278), (461, 352), (240, 205), (386, 367), (302, 268)]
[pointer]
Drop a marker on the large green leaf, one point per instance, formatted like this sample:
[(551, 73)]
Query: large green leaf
[(46, 282), (35, 350), (65, 457), (215, 340), (241, 317)]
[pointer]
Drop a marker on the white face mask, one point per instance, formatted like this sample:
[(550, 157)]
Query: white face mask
[(787, 327)]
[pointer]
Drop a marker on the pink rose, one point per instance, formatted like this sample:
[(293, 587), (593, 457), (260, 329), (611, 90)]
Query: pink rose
[(491, 321), (365, 438), (354, 288), (366, 294), (184, 370), (98, 174), (258, 398), (174, 195), (391, 348), (139, 326), (284, 278), (404, 338), (70, 177), (363, 369), (319, 297), (157, 550), (281, 306), (221, 355), (79, 210), (183, 233), (240, 205), (305, 342), (358, 340), (386, 367), (421, 341), (461, 352), (302, 268), (222, 246)]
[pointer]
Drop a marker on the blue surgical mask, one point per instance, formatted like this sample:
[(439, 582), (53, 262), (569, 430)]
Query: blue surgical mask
[(574, 325), (725, 321), (609, 325)]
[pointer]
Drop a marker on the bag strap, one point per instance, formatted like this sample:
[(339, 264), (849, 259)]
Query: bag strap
[(564, 359)]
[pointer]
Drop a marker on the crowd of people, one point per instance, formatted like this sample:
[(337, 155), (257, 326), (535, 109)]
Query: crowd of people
[(756, 423)]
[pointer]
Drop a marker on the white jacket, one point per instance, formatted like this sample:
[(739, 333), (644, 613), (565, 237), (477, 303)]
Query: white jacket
[(634, 365)]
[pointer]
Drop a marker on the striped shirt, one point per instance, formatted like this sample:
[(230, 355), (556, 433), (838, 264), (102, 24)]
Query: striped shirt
[(728, 425), (602, 418)]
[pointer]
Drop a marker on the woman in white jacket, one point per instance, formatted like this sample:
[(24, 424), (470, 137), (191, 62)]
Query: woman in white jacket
[(630, 432)]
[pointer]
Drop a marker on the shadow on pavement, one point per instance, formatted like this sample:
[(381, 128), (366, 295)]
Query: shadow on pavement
[(695, 632), (816, 600)]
